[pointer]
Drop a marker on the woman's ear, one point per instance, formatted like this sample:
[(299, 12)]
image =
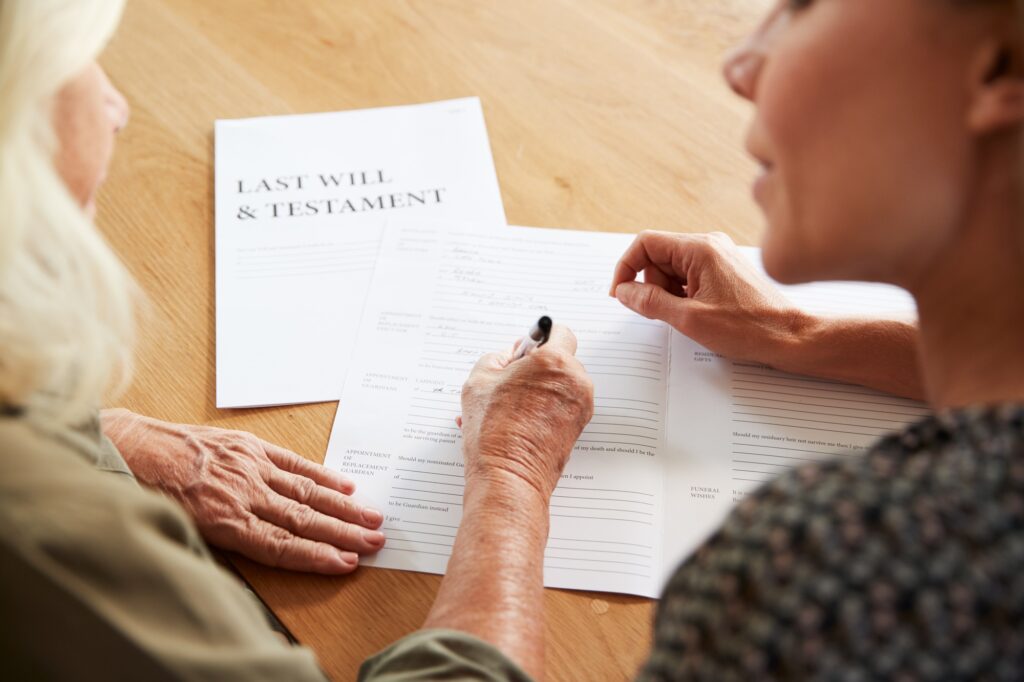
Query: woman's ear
[(997, 90)]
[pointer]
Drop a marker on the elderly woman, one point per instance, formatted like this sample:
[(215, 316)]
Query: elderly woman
[(889, 132), (99, 576)]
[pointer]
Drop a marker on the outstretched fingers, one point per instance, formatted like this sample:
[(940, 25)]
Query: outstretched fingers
[(297, 464), (275, 546)]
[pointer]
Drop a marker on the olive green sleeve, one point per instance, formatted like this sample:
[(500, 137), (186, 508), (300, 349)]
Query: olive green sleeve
[(102, 579), (441, 655)]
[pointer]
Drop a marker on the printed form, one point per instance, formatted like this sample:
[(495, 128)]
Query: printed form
[(474, 292), (630, 505), (301, 203)]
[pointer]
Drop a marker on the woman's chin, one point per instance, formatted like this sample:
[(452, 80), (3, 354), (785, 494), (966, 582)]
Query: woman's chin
[(782, 260)]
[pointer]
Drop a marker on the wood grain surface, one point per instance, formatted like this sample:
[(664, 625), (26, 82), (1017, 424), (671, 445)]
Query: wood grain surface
[(603, 115)]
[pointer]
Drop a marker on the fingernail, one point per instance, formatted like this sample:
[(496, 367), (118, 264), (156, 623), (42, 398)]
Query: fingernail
[(372, 516), (348, 558), (374, 537)]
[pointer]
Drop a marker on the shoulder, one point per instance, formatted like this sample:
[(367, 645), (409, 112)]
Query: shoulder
[(906, 556), (83, 528), (118, 577), (51, 493)]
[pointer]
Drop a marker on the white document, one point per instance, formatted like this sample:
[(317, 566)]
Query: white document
[(442, 296), (301, 203)]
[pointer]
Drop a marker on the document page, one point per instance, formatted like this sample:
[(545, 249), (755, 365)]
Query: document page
[(300, 205), (733, 426), (442, 296), (679, 434)]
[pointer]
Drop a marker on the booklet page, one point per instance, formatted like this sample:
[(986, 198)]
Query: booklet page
[(733, 426), (444, 295)]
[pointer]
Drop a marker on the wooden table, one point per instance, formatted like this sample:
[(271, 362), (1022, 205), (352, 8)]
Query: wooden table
[(603, 115)]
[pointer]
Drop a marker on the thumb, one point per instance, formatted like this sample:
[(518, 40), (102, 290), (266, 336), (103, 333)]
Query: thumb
[(648, 300)]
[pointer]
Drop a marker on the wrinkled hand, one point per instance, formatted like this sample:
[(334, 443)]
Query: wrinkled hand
[(523, 418), (250, 496), (702, 285)]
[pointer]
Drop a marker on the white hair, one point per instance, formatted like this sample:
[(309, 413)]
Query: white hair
[(66, 301)]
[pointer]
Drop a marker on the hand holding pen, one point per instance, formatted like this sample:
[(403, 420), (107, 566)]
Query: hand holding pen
[(524, 416), (535, 338)]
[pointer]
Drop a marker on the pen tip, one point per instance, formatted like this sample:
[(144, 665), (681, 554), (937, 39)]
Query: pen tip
[(545, 324)]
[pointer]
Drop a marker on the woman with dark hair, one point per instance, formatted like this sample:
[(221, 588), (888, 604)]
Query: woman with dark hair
[(889, 132)]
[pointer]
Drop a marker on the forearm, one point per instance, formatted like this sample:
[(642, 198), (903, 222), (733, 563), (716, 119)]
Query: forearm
[(493, 588), (118, 424), (879, 354), (135, 438)]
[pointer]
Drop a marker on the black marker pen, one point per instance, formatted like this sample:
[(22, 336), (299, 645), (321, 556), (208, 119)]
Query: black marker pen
[(538, 336)]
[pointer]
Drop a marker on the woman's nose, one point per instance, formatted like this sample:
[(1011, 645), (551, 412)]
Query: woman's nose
[(742, 68)]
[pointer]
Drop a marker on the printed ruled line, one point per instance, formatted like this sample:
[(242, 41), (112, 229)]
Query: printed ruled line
[(615, 407), (631, 426), (630, 349), (625, 435), (607, 509), (434, 426), (804, 395), (799, 459), (415, 499), (597, 561), (619, 374), (789, 449), (832, 391), (598, 551), (600, 499), (634, 400), (392, 540), (433, 473), (595, 570), (417, 532), (821, 414), (416, 480), (388, 548), (605, 490), (850, 433), (657, 372), (601, 518), (835, 407), (428, 492), (588, 357), (804, 420), (425, 523), (604, 542), (614, 442), (764, 464)]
